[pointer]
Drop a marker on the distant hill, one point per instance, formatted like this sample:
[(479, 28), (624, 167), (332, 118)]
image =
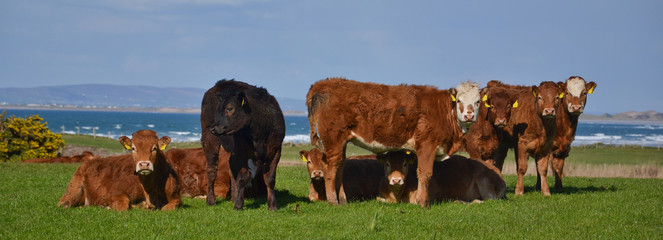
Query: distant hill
[(116, 96), (648, 116)]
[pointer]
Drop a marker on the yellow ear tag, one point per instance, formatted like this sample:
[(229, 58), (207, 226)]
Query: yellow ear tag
[(485, 97), (407, 152), (591, 90), (515, 104), (163, 147), (561, 95), (534, 92), (304, 159), (243, 102), (453, 99), (486, 104), (127, 146)]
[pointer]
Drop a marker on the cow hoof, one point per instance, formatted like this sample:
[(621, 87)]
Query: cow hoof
[(211, 202)]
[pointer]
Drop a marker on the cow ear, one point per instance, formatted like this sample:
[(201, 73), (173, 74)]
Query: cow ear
[(535, 90), (410, 161), (590, 87), (561, 95), (163, 142), (452, 94), (303, 154), (561, 85), (126, 142), (242, 98)]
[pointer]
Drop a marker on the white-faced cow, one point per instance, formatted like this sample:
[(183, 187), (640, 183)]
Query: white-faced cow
[(568, 112), (248, 122), (380, 118)]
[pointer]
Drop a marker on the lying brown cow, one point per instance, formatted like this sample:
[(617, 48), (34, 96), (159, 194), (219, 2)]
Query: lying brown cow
[(190, 166), (457, 178), (84, 156), (383, 118), (118, 182), (361, 176)]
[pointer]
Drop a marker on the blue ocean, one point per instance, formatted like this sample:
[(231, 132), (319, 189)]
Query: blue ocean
[(185, 127)]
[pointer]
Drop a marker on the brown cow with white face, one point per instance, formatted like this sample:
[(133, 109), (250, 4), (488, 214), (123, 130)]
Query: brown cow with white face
[(568, 112), (381, 118)]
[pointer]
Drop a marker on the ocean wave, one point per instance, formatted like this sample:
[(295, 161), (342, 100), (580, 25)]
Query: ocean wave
[(650, 127), (299, 138), (598, 137), (179, 132)]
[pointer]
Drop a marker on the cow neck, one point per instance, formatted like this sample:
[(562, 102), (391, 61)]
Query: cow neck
[(550, 125), (155, 183)]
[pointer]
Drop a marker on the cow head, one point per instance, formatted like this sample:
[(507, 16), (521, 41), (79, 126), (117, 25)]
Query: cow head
[(467, 99), (498, 104), (314, 163), (233, 113), (547, 97), (576, 94), (145, 146), (396, 164)]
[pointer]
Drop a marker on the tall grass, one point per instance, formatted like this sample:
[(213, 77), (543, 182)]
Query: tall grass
[(588, 208)]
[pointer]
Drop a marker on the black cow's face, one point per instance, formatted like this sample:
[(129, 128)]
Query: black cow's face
[(233, 114)]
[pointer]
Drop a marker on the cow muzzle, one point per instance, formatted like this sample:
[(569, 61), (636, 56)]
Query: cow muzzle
[(396, 181), (317, 174), (144, 167), (548, 112), (500, 122), (469, 117), (577, 109)]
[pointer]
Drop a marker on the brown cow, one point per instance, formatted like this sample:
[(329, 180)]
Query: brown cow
[(190, 166), (569, 110), (457, 178), (380, 118), (486, 134), (361, 176), (84, 156), (531, 129), (118, 182)]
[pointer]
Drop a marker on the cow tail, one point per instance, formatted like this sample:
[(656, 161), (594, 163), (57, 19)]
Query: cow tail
[(313, 104)]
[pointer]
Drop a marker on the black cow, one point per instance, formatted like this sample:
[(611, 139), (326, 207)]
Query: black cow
[(248, 122)]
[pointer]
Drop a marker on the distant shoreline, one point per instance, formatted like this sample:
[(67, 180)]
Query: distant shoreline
[(118, 109)]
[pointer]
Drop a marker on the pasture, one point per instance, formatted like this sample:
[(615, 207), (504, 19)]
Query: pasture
[(588, 208)]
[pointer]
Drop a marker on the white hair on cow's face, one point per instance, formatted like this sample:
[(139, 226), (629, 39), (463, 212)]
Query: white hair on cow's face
[(575, 86), (467, 107)]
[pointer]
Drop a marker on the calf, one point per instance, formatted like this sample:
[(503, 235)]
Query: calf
[(568, 112), (531, 129), (84, 156), (457, 178), (117, 182), (190, 165), (382, 118), (361, 178), (485, 135), (248, 122)]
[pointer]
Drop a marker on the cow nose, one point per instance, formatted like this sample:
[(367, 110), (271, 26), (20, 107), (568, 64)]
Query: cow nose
[(500, 122), (469, 117), (144, 165), (576, 108), (396, 181), (548, 112), (318, 173), (213, 130)]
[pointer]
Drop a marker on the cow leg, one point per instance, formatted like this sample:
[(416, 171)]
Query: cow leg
[(74, 195), (521, 165), (211, 146), (542, 167), (426, 157), (270, 181), (335, 160), (558, 171), (243, 176), (342, 199), (499, 156), (120, 202)]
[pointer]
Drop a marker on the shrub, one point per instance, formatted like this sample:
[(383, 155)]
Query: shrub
[(28, 138)]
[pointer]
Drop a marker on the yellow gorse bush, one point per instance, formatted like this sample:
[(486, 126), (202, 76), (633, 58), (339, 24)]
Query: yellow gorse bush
[(28, 138)]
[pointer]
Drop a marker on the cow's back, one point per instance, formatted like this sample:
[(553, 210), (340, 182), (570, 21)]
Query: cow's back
[(108, 177), (460, 178)]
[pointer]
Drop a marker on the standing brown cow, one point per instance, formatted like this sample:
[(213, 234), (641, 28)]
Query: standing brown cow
[(380, 118), (531, 129), (568, 112)]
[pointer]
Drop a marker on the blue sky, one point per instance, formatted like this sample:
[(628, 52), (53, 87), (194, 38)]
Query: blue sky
[(285, 46)]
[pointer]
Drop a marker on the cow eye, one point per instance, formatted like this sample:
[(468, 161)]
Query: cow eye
[(154, 148), (133, 148)]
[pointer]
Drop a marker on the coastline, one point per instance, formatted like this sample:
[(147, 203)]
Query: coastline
[(121, 109)]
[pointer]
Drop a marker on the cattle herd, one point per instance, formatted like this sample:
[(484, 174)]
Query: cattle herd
[(414, 132)]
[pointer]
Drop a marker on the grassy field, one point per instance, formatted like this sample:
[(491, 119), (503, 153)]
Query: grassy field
[(589, 208)]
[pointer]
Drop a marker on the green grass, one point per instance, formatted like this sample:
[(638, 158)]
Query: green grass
[(587, 209)]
